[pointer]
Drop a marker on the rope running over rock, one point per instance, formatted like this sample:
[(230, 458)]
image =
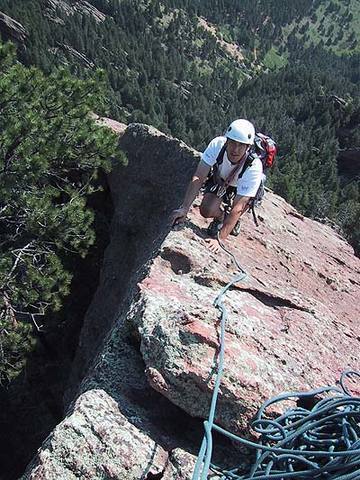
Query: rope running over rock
[(318, 443)]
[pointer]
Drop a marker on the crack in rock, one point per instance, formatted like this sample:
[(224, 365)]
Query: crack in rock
[(273, 301), (266, 298)]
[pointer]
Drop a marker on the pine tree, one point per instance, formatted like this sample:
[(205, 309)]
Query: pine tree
[(50, 152)]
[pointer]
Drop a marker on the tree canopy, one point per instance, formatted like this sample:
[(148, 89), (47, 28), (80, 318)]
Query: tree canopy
[(296, 77), (50, 152)]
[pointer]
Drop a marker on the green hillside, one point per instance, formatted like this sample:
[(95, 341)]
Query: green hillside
[(334, 25), (190, 67)]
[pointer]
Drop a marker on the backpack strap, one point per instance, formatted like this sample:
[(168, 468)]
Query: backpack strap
[(219, 160), (252, 208), (255, 201), (220, 157), (247, 164)]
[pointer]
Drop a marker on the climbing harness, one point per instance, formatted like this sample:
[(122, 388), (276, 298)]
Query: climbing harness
[(321, 442), (221, 187)]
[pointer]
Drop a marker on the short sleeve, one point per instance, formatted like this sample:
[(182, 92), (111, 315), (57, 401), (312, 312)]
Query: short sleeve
[(211, 153), (249, 183)]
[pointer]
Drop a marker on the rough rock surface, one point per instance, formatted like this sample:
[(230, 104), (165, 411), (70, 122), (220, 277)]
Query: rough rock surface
[(97, 441), (81, 6), (142, 199), (293, 325), (88, 9), (68, 49), (151, 333), (114, 403)]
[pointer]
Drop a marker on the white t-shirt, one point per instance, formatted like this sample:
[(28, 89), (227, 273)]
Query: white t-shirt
[(249, 183)]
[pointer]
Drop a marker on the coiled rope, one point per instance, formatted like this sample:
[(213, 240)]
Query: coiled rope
[(318, 443)]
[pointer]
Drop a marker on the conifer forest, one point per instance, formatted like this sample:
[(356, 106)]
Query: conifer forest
[(187, 67)]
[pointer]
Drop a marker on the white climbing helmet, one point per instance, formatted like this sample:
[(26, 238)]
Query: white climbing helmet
[(241, 131)]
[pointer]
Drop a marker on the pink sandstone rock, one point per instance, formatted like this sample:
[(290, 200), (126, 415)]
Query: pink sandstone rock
[(115, 126), (294, 325), (96, 441)]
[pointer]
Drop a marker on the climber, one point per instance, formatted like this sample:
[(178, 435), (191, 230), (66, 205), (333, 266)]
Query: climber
[(230, 175)]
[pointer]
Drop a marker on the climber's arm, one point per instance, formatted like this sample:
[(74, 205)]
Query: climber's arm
[(194, 186)]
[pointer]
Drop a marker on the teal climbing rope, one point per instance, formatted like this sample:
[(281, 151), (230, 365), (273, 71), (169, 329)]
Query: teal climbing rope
[(204, 458), (321, 442)]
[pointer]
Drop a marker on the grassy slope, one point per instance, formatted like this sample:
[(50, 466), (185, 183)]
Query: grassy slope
[(335, 23)]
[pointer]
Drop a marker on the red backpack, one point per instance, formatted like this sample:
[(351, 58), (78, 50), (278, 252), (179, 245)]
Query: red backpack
[(266, 149)]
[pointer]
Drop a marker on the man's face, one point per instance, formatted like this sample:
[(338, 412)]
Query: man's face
[(235, 150)]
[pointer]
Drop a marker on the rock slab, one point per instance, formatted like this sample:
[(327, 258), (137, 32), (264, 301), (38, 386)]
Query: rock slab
[(293, 326), (96, 441)]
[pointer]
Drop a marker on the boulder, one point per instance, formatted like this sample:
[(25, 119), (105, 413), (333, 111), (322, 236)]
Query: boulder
[(96, 441), (143, 199), (147, 356), (292, 326)]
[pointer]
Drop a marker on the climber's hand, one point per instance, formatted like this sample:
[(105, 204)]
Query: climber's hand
[(178, 216)]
